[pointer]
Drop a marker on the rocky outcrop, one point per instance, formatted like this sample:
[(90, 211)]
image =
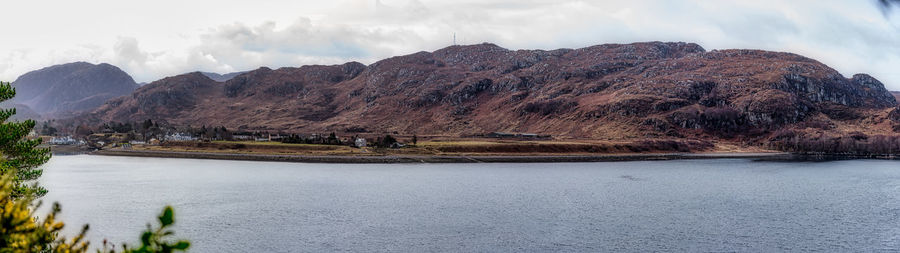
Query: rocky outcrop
[(605, 91), (174, 97)]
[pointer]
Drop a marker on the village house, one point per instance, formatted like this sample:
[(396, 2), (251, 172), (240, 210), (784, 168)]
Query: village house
[(277, 137), (360, 143), (241, 137), (180, 137), (65, 140)]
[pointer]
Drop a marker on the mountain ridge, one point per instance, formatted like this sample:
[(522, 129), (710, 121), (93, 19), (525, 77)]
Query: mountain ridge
[(609, 91)]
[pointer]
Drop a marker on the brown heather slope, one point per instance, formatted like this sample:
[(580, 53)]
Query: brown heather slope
[(612, 91)]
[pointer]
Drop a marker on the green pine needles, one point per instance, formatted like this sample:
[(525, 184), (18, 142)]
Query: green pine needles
[(20, 156), (20, 230)]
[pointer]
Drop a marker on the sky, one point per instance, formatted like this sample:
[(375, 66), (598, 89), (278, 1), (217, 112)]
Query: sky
[(154, 39)]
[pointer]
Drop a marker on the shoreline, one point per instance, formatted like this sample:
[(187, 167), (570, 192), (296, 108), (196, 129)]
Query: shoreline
[(448, 158)]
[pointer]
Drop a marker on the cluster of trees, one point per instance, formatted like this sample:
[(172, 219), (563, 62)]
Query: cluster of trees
[(331, 139), (20, 229), (854, 143), (149, 129), (146, 128), (114, 127), (215, 133), (48, 129), (387, 141)]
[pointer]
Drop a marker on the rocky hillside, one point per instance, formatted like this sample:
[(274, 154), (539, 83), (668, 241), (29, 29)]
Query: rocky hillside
[(62, 90), (612, 91), (23, 112)]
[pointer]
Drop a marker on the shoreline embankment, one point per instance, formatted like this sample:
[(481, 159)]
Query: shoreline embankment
[(445, 158)]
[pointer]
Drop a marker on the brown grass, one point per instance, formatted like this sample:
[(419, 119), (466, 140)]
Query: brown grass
[(447, 147)]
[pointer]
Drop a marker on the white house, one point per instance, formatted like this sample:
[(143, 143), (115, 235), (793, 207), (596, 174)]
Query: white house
[(241, 137), (360, 143), (65, 140), (180, 137)]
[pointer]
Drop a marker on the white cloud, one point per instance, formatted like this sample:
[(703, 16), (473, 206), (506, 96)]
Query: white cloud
[(151, 41)]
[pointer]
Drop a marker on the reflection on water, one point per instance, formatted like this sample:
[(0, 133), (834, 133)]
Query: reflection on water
[(688, 205)]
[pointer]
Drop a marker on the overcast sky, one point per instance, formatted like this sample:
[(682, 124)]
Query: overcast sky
[(155, 39)]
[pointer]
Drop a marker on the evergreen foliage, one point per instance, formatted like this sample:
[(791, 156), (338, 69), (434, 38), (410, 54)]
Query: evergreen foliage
[(386, 142), (20, 230), (20, 156)]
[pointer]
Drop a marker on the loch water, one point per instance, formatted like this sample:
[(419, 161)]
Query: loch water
[(642, 206)]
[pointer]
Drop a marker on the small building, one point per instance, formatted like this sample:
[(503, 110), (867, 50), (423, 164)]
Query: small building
[(277, 137), (180, 137), (126, 146), (65, 140), (360, 143), (527, 135), (137, 142), (154, 141), (261, 139), (241, 137)]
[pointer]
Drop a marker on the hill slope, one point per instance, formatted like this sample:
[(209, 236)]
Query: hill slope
[(612, 91), (70, 88)]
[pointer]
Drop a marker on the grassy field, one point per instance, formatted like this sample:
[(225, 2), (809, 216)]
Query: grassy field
[(458, 146)]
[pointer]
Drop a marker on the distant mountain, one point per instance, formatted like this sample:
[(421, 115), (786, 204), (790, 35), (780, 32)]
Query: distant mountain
[(62, 90), (23, 112), (896, 95), (612, 91), (220, 77)]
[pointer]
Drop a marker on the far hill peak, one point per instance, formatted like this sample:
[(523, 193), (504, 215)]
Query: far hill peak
[(65, 89)]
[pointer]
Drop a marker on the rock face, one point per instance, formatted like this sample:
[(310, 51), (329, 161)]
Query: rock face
[(65, 89), (606, 91)]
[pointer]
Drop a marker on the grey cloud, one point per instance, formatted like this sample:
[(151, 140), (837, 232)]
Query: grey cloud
[(851, 36), (299, 43)]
